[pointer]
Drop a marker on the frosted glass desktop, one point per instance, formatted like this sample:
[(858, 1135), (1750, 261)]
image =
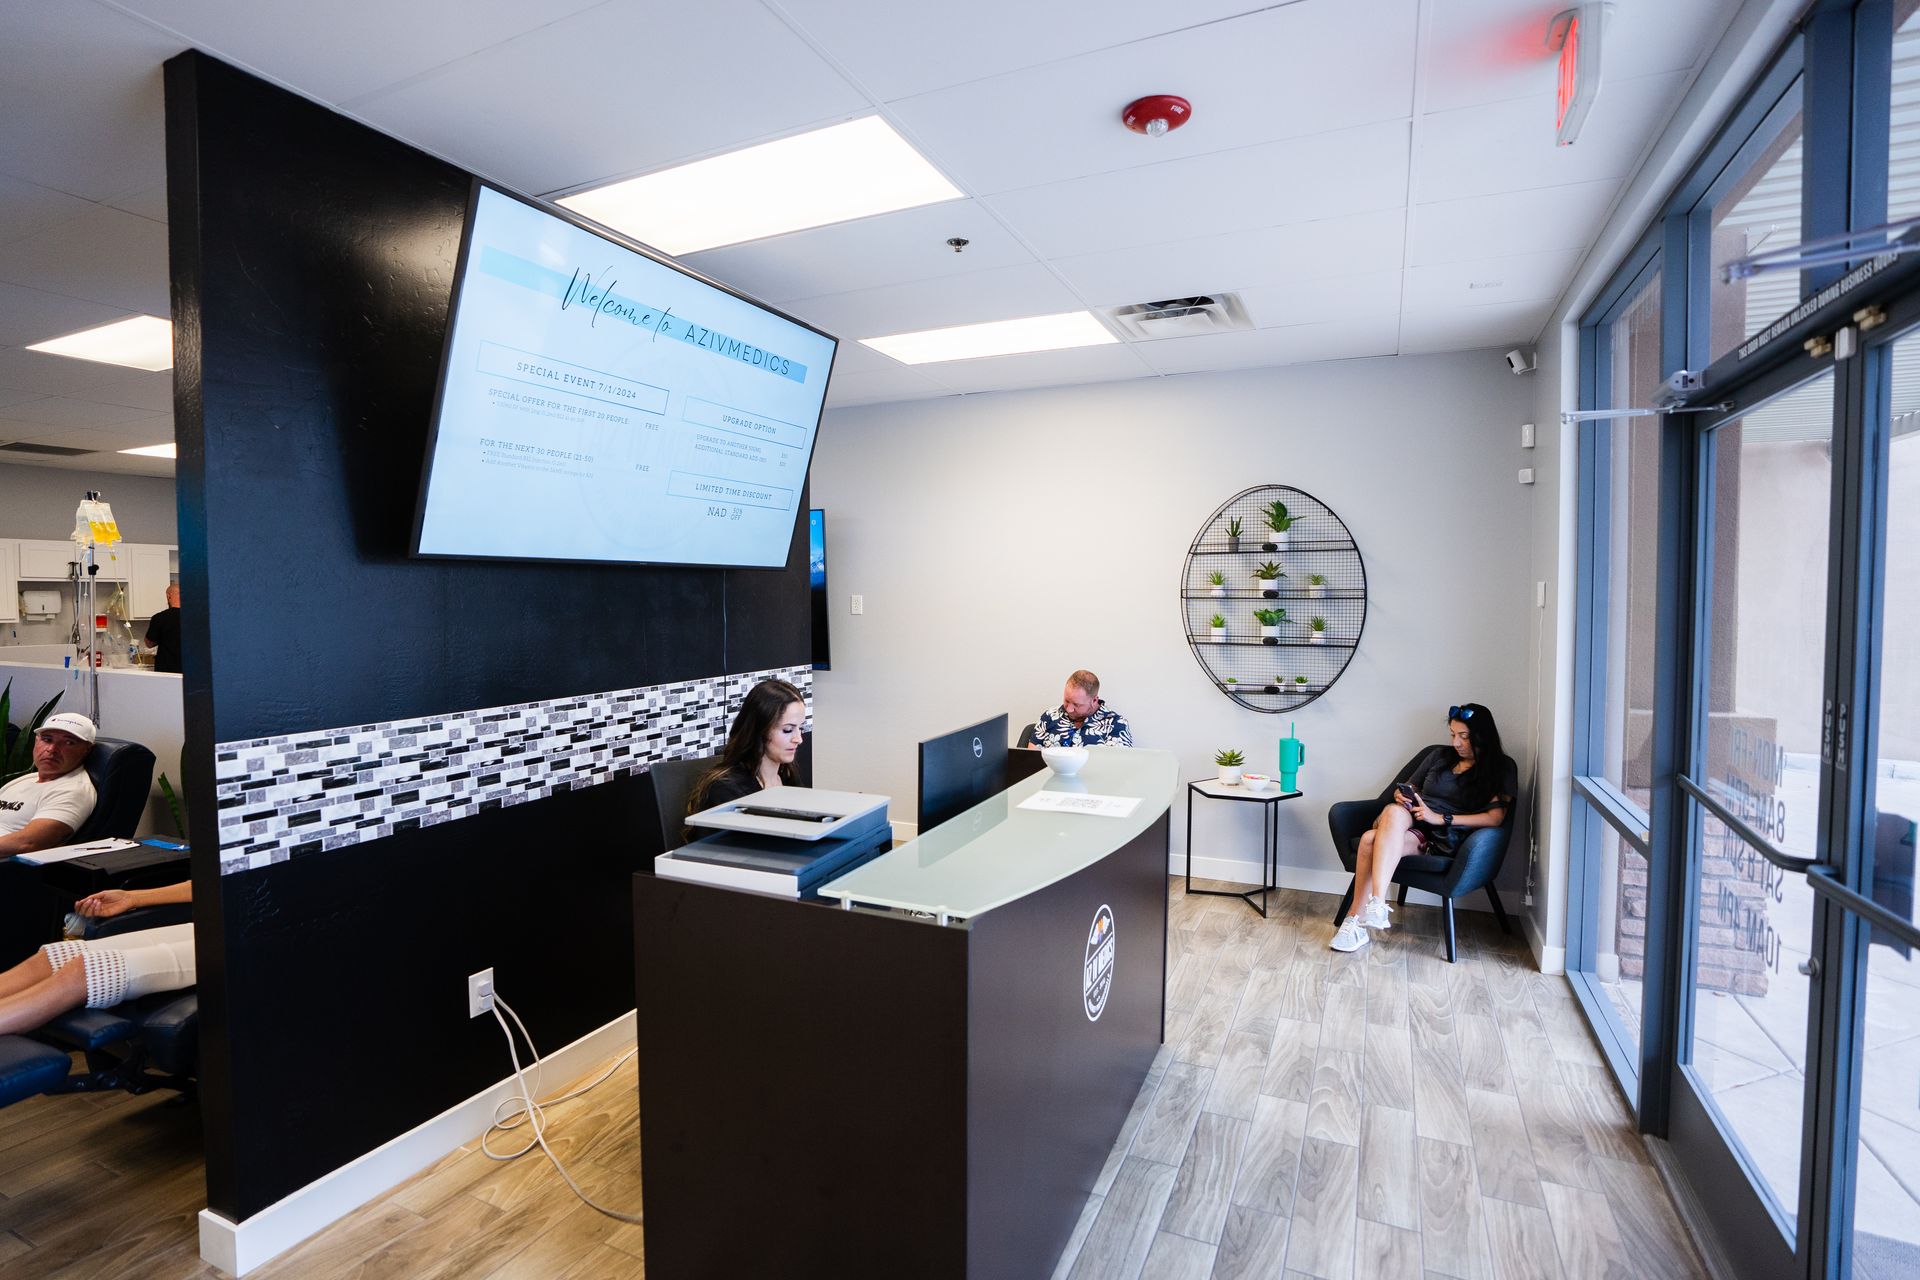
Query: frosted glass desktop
[(997, 852)]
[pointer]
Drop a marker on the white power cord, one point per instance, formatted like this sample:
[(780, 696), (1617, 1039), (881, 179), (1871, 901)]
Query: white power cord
[(533, 1114)]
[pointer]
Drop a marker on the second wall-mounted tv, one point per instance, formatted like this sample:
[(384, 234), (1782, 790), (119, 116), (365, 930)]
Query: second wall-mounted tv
[(599, 403)]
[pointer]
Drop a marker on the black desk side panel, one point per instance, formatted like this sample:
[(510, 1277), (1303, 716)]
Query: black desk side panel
[(1050, 1087), (802, 1088)]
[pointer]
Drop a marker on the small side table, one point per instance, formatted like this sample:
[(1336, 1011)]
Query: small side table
[(1269, 837)]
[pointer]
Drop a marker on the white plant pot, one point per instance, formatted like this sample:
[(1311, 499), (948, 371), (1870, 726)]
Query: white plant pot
[(1279, 540), (1219, 635), (1269, 633), (1316, 592), (1229, 775), (1316, 637), (1268, 584), (1219, 592)]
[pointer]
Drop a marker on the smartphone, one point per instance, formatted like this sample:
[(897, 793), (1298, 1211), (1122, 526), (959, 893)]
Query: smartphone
[(1406, 793)]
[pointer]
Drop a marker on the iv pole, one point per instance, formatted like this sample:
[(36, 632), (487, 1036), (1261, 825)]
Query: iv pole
[(91, 520)]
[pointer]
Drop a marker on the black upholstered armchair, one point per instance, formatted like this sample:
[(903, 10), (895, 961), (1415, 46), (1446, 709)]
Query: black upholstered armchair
[(122, 774), (1471, 868)]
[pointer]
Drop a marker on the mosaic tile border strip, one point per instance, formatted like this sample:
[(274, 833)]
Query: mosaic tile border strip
[(303, 793)]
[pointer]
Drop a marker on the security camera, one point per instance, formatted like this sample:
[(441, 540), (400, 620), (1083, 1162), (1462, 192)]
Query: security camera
[(1520, 361)]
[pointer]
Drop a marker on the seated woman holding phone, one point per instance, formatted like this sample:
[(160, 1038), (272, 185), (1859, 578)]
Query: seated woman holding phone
[(765, 737), (1452, 787)]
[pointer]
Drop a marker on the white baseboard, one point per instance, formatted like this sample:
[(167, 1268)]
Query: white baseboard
[(239, 1247), (1311, 879), (1550, 959)]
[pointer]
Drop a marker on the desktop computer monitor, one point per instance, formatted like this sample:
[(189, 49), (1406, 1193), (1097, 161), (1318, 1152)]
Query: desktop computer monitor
[(960, 769)]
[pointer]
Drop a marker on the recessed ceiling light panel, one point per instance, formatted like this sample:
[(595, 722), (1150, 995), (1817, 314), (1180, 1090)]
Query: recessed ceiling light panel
[(847, 171), (142, 342), (152, 451), (995, 338)]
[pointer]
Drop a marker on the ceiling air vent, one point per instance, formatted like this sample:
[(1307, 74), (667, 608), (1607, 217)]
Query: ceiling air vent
[(1181, 317), (44, 450)]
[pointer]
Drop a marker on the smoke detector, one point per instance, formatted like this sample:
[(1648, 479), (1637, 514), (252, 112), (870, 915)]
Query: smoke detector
[(1180, 317)]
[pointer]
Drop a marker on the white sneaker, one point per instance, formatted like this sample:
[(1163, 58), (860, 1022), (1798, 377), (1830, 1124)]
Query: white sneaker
[(1375, 916), (1350, 936)]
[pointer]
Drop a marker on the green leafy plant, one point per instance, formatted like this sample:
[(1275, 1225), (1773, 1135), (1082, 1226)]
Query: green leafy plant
[(1231, 680), (173, 806), (1233, 527), (1316, 579), (1217, 579), (1318, 624), (1270, 617), (1299, 679), (17, 756), (1229, 759), (1218, 622), (1277, 518), (1269, 572)]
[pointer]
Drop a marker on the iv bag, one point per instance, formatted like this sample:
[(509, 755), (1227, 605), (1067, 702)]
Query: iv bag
[(93, 523)]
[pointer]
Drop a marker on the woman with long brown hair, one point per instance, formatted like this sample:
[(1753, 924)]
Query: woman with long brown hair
[(765, 737)]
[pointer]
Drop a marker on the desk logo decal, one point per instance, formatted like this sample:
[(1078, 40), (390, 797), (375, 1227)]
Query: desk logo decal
[(978, 750), (1097, 971)]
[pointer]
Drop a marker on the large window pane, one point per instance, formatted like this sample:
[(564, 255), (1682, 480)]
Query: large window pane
[(1886, 1216), (1771, 488), (1618, 914), (1903, 133), (1761, 211)]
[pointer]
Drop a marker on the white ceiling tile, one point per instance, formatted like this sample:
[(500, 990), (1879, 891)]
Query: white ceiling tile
[(900, 47), (1239, 259), (80, 93), (1297, 180), (1511, 223), (1039, 369), (624, 88), (338, 50), (49, 375), (103, 255), (1490, 50), (26, 208), (33, 315), (1329, 298), (1005, 294), (1509, 146), (1258, 348), (1486, 282), (12, 399), (151, 203), (1469, 328), (1279, 73), (65, 411), (149, 391), (878, 387), (891, 249)]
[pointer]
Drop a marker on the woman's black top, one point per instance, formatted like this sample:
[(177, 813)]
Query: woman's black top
[(1448, 792), (726, 788)]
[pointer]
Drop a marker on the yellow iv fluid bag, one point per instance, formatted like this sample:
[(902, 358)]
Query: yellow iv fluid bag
[(93, 523)]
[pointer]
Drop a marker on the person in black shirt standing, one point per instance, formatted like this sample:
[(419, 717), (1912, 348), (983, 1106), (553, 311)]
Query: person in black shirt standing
[(163, 633), (1452, 787)]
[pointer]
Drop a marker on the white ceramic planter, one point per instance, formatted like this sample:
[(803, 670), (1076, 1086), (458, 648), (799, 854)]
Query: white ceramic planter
[(1316, 637), (1278, 540), (1268, 584), (1269, 633), (1316, 592), (1229, 775), (1219, 635), (1217, 591)]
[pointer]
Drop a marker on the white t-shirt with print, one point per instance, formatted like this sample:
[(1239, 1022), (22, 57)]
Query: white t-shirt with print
[(69, 798)]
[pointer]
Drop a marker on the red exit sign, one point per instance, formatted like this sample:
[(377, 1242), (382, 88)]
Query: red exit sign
[(1579, 80)]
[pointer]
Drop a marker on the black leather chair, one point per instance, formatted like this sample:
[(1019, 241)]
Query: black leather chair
[(673, 783), (122, 774), (1026, 735), (1471, 867)]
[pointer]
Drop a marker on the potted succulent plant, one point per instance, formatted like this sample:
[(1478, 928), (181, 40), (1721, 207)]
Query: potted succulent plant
[(1317, 630), (1216, 583), (1269, 575), (1219, 629), (1316, 585), (1230, 762), (1233, 534), (1299, 680), (1278, 523), (1270, 620)]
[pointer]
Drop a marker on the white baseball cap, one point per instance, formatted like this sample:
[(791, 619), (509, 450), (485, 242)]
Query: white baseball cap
[(70, 722)]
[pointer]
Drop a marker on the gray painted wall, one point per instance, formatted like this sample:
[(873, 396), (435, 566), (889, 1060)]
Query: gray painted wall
[(38, 502), (1002, 540)]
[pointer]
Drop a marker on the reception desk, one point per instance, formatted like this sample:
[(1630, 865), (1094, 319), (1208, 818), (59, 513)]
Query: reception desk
[(923, 1077)]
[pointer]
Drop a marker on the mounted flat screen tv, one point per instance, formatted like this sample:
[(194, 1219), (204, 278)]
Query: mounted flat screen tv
[(599, 403)]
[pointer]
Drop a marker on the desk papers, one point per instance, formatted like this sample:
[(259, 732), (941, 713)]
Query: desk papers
[(1072, 802)]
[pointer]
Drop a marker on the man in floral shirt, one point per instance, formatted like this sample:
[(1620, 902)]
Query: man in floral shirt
[(1082, 719)]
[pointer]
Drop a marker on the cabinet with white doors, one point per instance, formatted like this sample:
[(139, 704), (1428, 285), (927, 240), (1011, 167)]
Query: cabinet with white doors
[(143, 570)]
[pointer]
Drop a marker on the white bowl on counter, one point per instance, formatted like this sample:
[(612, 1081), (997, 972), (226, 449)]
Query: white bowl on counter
[(1065, 761)]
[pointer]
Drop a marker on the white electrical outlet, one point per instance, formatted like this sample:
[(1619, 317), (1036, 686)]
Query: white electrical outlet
[(857, 603), (479, 993), (1526, 435)]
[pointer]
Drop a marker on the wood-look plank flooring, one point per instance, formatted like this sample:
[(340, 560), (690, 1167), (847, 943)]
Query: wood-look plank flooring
[(1377, 1115), (1412, 1118)]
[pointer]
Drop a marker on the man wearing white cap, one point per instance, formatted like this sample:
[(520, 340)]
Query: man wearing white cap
[(42, 809)]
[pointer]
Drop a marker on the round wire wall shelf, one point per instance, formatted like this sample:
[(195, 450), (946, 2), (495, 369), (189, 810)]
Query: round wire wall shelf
[(1277, 664)]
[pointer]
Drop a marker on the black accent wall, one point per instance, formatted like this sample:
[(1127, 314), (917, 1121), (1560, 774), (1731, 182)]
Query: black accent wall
[(312, 263)]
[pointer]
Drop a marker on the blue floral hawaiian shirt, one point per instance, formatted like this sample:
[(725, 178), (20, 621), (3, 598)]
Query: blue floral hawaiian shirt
[(1105, 727)]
